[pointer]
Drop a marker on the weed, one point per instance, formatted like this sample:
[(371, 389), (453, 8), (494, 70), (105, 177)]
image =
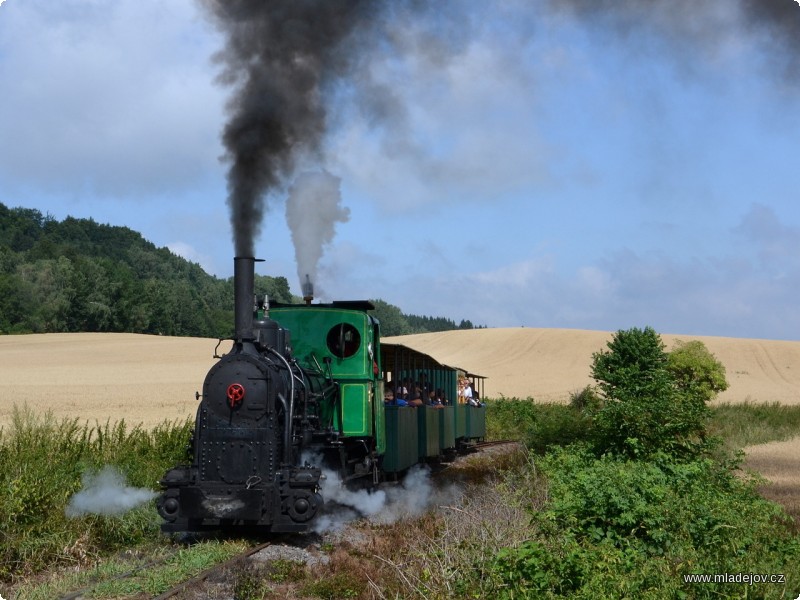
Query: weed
[(41, 464), (249, 584), (337, 586), (283, 571)]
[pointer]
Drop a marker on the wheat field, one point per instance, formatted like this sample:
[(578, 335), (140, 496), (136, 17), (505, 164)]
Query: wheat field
[(147, 379), (779, 464)]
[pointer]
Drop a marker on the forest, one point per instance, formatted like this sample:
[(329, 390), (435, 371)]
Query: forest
[(78, 275)]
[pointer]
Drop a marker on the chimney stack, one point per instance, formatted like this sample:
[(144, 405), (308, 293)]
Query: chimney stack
[(244, 296)]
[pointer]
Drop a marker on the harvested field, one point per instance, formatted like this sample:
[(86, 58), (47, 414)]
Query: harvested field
[(147, 379), (779, 463), (104, 376), (548, 364)]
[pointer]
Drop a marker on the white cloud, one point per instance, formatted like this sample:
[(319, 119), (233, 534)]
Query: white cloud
[(112, 98)]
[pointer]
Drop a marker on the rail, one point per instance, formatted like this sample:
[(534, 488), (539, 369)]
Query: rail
[(81, 593)]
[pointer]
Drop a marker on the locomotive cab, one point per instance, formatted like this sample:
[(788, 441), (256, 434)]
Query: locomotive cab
[(344, 338)]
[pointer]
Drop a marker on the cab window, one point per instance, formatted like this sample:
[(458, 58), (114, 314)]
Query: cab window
[(343, 340)]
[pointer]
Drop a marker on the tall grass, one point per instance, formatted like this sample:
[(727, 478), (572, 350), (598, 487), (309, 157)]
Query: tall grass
[(747, 424), (541, 425), (42, 462)]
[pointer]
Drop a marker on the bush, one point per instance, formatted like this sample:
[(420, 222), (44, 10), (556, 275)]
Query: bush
[(649, 406), (696, 372), (617, 527), (538, 426), (557, 425), (510, 418)]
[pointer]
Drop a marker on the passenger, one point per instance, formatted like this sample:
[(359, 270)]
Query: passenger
[(416, 400), (389, 399), (468, 392), (477, 398), (460, 391)]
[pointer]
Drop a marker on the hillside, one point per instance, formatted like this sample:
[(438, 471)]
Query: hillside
[(548, 364), (78, 275), (146, 378)]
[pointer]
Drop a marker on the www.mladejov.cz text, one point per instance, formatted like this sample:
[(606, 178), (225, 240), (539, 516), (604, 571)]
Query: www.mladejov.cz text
[(748, 578)]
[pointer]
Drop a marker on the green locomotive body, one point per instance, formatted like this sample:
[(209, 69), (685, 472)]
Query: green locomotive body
[(343, 340)]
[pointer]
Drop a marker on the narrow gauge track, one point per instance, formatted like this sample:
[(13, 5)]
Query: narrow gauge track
[(181, 587), (78, 594), (481, 445)]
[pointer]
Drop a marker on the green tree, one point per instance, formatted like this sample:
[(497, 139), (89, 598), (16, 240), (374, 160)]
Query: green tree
[(643, 410), (696, 371), (393, 322)]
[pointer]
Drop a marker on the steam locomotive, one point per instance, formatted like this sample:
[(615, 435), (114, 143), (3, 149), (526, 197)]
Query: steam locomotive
[(302, 388)]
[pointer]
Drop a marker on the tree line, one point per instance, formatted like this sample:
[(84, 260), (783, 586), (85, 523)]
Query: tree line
[(78, 275)]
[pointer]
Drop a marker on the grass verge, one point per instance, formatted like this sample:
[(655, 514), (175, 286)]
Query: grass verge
[(748, 424), (42, 465)]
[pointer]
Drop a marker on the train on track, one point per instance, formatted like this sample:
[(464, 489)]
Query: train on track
[(302, 388)]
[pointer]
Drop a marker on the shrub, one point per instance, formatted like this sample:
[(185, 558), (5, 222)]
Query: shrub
[(616, 527), (557, 425), (510, 418), (697, 372), (644, 409), (538, 426)]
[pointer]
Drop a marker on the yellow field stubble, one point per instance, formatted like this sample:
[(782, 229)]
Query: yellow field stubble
[(99, 377), (779, 462)]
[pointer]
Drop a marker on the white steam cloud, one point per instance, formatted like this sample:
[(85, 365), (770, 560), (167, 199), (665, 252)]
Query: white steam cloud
[(312, 211), (412, 498), (106, 493)]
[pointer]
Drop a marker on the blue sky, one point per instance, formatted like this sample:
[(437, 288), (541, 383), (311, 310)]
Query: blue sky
[(556, 169)]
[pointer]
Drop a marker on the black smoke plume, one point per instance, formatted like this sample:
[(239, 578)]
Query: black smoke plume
[(284, 59), (689, 25), (279, 56)]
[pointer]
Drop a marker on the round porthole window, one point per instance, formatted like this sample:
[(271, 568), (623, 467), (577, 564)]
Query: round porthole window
[(343, 340)]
